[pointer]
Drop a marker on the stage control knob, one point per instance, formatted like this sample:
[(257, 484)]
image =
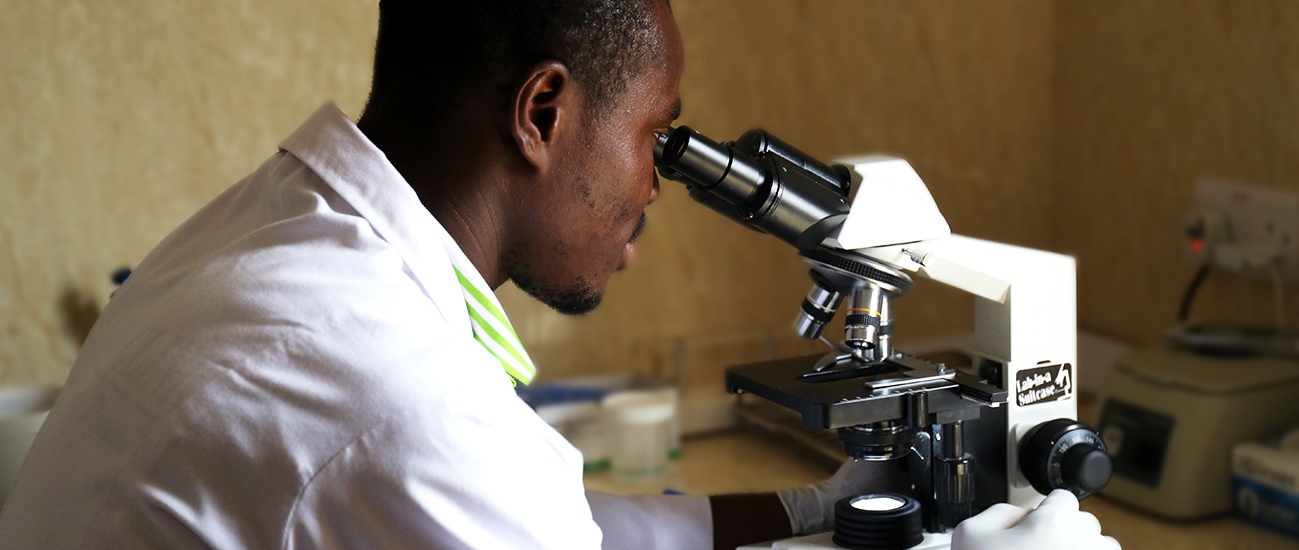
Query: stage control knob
[(1065, 454)]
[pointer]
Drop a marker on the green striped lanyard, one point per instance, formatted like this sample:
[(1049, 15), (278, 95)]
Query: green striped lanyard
[(494, 332)]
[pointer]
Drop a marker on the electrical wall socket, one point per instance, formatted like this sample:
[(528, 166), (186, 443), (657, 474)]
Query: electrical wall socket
[(1260, 222)]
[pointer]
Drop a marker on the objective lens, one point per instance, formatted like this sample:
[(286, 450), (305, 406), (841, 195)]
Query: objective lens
[(818, 308)]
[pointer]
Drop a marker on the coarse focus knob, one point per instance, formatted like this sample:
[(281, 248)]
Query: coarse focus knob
[(1087, 468), (1065, 454)]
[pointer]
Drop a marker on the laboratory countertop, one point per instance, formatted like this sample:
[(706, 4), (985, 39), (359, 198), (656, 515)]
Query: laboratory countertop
[(745, 462)]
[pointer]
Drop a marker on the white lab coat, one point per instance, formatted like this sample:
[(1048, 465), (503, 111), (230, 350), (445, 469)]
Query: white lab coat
[(294, 367)]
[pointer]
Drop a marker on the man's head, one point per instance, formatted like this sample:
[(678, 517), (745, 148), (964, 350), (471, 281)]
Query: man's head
[(572, 93)]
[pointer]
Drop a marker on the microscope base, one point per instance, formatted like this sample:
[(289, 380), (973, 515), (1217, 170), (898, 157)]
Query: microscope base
[(932, 541)]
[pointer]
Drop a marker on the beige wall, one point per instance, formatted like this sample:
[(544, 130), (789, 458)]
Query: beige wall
[(119, 119), (1149, 96), (1066, 125)]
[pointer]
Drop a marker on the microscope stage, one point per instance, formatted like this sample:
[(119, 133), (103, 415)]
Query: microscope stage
[(837, 398)]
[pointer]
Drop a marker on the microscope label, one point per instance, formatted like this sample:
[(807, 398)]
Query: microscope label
[(1043, 384)]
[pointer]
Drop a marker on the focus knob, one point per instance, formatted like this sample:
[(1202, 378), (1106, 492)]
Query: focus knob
[(1064, 454), (1087, 468)]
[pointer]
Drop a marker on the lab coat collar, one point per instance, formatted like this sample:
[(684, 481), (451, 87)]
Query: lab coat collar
[(336, 150)]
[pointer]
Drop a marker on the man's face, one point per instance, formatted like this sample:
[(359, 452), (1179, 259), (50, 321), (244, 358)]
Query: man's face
[(582, 224)]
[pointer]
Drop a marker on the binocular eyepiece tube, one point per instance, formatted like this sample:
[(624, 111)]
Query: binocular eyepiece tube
[(716, 167), (758, 181)]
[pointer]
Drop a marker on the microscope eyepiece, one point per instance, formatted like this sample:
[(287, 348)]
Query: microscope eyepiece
[(715, 167), (672, 145), (758, 181)]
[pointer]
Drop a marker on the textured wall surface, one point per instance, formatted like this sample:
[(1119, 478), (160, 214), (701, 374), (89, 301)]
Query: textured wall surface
[(1149, 96), (120, 118)]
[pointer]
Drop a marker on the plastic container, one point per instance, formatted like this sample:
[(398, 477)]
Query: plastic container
[(640, 433)]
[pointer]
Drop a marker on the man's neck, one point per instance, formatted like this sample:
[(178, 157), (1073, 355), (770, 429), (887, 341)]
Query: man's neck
[(458, 188), (476, 224)]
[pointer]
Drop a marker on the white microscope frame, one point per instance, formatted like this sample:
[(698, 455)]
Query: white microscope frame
[(1025, 317), (1025, 299), (1025, 313)]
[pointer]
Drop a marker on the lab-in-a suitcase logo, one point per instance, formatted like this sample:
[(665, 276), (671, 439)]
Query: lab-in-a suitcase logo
[(1043, 384)]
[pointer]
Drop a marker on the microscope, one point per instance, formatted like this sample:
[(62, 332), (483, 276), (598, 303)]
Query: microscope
[(1003, 431)]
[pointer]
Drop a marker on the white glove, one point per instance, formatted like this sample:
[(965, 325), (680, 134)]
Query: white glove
[(811, 508), (1056, 524)]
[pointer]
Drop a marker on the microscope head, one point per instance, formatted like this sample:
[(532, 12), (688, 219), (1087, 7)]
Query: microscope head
[(767, 185), (758, 181), (890, 206)]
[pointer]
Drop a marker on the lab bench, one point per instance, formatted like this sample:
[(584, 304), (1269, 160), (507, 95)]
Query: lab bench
[(744, 461)]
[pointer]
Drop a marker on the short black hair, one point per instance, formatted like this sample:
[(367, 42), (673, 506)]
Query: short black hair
[(431, 54)]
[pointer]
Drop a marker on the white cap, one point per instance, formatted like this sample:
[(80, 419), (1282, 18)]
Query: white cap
[(642, 407)]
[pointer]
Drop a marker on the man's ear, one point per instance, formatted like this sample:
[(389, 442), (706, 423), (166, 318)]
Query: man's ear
[(544, 108)]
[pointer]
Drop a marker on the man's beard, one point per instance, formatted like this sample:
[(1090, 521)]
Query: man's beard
[(580, 298)]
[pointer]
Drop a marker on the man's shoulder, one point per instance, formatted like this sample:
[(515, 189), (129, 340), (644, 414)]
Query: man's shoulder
[(277, 299), (281, 249)]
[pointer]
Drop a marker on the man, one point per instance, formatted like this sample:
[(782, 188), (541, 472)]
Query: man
[(316, 358)]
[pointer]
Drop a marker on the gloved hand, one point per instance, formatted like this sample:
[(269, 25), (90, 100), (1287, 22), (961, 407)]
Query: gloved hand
[(1056, 524), (811, 508)]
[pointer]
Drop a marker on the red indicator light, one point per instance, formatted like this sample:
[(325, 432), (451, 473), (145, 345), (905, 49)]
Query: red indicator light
[(1197, 245)]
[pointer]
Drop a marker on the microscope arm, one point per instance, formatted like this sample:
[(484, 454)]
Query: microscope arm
[(947, 260), (1025, 322), (1027, 306)]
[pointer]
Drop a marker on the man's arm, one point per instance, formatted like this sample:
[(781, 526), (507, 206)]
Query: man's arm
[(652, 522), (686, 522), (748, 518)]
